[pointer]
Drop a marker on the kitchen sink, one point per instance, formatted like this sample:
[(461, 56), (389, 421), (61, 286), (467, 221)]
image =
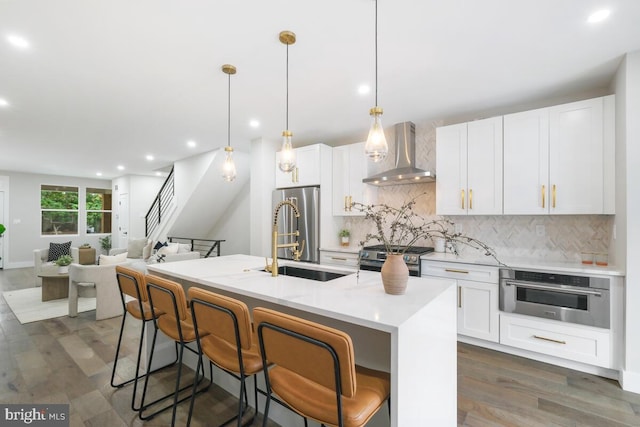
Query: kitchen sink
[(306, 273)]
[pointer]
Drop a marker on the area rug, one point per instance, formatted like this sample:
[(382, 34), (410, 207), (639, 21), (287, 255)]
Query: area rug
[(27, 305)]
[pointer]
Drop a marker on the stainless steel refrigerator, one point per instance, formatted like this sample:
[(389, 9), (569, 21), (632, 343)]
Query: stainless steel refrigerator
[(307, 199)]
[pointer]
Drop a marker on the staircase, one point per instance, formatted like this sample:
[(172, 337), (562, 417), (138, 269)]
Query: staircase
[(160, 207)]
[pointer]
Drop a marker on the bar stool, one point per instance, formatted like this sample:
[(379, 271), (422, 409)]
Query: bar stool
[(132, 284), (314, 371), (176, 323), (230, 343)]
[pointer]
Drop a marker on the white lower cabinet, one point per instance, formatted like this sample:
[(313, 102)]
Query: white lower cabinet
[(478, 310), (339, 258), (577, 343), (477, 296)]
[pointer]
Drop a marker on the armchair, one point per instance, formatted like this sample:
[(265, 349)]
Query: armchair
[(98, 280), (41, 264)]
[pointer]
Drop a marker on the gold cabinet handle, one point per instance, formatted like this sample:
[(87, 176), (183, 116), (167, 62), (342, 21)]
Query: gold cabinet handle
[(350, 203), (470, 198), (543, 197), (451, 270), (338, 259), (553, 196), (549, 339), (345, 204), (459, 296), (461, 199)]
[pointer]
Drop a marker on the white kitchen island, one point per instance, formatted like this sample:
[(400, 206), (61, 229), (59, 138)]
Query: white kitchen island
[(412, 336)]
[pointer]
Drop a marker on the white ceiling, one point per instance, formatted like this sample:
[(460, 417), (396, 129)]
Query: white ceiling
[(106, 82)]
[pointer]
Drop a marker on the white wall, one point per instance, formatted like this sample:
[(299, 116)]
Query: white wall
[(141, 191), (263, 181), (232, 226), (628, 208), (23, 221)]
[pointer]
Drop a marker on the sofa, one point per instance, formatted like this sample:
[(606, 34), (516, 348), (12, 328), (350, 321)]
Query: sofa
[(40, 262), (144, 250)]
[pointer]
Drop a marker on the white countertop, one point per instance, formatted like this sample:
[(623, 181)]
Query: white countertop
[(360, 301), (560, 267)]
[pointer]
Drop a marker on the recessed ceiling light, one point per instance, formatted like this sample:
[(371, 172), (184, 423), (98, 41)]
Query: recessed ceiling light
[(191, 144), (120, 167), (158, 174), (599, 16), (149, 157), (98, 173), (364, 89), (254, 123), (18, 41), (4, 102)]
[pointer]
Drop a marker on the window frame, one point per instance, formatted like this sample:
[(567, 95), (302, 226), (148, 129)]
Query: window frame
[(103, 191), (60, 188)]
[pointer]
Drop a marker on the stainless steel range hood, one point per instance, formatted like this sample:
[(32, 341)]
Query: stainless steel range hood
[(405, 171)]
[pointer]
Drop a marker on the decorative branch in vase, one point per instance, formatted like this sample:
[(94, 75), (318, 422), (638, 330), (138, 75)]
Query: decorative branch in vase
[(399, 229)]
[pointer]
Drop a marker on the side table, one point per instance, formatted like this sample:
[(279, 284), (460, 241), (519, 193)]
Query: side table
[(54, 285), (87, 256)]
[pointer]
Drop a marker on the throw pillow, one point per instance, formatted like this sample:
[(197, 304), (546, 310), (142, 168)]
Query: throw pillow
[(159, 245), (135, 247), (171, 249), (56, 250), (146, 251), (183, 248), (112, 259)]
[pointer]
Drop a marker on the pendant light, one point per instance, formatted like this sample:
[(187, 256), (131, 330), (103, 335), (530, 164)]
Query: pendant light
[(287, 155), (376, 147), (229, 167)]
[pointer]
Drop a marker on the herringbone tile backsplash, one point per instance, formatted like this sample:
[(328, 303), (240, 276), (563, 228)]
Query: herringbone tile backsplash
[(565, 236)]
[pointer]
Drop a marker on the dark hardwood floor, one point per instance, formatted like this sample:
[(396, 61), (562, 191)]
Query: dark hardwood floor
[(67, 360)]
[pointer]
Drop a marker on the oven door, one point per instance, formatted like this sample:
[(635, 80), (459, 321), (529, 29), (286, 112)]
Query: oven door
[(585, 306)]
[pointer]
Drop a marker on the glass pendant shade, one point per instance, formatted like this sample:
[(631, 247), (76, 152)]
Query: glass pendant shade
[(287, 154), (376, 147), (229, 167)]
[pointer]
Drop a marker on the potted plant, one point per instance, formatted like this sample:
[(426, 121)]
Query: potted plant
[(63, 263), (344, 237), (105, 244), (2, 229)]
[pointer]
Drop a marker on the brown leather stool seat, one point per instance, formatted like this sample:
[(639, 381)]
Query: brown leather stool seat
[(132, 284), (175, 322), (314, 371), (230, 342)]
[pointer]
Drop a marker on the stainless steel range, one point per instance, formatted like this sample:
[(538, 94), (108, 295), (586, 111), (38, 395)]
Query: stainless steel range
[(372, 257)]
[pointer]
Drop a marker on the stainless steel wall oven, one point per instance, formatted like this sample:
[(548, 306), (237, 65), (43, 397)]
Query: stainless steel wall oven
[(567, 298)]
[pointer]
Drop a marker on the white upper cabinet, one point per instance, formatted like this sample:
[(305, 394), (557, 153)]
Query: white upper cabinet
[(560, 160), (306, 172), (350, 167), (469, 168)]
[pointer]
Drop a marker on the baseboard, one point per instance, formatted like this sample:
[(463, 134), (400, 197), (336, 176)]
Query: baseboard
[(22, 264), (630, 381)]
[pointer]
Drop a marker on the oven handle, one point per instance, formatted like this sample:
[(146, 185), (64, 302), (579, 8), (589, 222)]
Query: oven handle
[(554, 289)]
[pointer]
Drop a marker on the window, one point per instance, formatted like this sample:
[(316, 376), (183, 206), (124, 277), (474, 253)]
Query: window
[(59, 209), (98, 210)]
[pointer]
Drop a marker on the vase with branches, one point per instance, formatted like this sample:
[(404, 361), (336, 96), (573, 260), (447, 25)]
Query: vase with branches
[(400, 228)]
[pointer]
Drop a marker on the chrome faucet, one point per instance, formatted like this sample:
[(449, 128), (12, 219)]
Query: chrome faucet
[(274, 238)]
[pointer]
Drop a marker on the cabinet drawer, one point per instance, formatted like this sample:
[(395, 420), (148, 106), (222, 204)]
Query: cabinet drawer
[(344, 259), (453, 270), (580, 344)]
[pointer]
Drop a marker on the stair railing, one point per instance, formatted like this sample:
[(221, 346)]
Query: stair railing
[(160, 204), (204, 246)]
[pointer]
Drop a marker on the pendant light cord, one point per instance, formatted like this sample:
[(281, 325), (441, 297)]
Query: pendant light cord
[(229, 113), (376, 46)]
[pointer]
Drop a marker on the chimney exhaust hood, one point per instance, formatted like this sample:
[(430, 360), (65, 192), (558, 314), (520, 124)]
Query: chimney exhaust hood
[(405, 171)]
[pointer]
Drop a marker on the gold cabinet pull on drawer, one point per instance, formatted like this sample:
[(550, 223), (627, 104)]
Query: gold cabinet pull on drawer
[(450, 270), (338, 259), (549, 339)]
